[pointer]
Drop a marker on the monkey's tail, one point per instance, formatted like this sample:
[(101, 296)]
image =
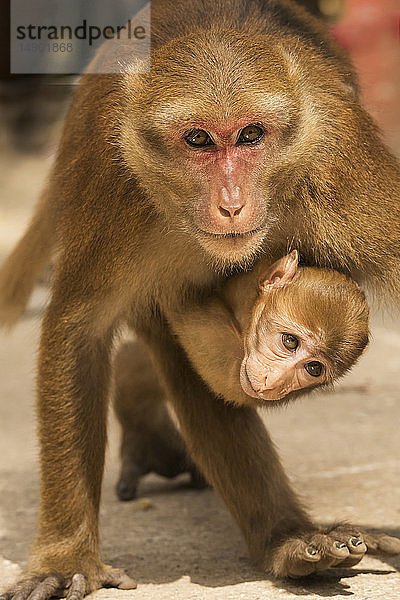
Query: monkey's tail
[(26, 263)]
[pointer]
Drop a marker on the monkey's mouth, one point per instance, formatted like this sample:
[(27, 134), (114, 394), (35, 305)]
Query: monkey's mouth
[(248, 388), (232, 234), (245, 381)]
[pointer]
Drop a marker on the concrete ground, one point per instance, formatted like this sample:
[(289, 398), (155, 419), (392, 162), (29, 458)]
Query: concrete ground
[(341, 449)]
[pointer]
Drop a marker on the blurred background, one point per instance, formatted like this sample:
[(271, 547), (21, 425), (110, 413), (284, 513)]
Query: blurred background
[(340, 448)]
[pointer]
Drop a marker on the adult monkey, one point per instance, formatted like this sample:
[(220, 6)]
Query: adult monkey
[(246, 136)]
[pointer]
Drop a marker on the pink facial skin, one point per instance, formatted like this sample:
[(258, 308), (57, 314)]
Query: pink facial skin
[(230, 170), (270, 371)]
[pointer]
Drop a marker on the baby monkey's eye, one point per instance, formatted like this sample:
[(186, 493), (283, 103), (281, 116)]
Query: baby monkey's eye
[(314, 368), (198, 138), (290, 341)]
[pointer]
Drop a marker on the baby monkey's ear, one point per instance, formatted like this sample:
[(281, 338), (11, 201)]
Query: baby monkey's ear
[(280, 273)]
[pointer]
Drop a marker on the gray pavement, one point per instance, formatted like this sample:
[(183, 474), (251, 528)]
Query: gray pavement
[(342, 450)]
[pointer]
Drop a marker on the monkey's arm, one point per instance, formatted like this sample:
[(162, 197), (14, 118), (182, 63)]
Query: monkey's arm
[(73, 379), (234, 451), (214, 345)]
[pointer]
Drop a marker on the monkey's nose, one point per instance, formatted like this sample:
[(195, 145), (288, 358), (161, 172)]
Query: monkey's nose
[(272, 381), (230, 204), (230, 211)]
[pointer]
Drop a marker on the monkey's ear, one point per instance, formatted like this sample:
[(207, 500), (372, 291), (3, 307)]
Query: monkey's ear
[(280, 273)]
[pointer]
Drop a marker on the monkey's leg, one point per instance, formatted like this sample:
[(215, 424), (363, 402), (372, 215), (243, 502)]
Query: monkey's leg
[(73, 379), (233, 449), (150, 440)]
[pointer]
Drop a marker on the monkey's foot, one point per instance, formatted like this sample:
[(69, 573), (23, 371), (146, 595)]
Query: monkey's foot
[(131, 474), (160, 452), (339, 546), (76, 587)]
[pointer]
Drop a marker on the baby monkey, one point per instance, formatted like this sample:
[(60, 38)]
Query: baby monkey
[(264, 338), (274, 332)]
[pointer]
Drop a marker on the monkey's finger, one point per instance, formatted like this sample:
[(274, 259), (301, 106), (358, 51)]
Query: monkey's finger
[(354, 558), (6, 595), (353, 539), (332, 550), (295, 558), (354, 542), (127, 583), (381, 543), (51, 586), (357, 549), (78, 588), (304, 563), (119, 579)]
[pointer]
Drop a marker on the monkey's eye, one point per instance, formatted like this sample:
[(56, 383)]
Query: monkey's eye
[(314, 368), (250, 134), (198, 138), (290, 341)]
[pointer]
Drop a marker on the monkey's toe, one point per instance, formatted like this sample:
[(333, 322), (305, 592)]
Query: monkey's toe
[(36, 588), (127, 489), (117, 578), (75, 587)]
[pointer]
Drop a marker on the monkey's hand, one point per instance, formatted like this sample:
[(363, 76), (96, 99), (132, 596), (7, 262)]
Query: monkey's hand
[(75, 587), (338, 546)]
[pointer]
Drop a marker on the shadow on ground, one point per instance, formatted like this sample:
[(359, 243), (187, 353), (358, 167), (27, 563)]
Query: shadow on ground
[(181, 533)]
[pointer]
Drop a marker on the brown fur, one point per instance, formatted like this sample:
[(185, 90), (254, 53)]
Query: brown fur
[(125, 201), (326, 303), (150, 439), (26, 263)]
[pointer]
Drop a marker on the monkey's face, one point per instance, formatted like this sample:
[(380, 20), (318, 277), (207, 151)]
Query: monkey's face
[(213, 131), (281, 357), (204, 133), (308, 327)]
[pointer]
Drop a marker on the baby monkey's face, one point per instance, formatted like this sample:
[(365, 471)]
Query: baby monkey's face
[(308, 327), (281, 357)]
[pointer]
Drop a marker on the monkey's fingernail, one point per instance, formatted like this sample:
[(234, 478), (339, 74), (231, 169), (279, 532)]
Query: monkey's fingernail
[(356, 541), (340, 545)]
